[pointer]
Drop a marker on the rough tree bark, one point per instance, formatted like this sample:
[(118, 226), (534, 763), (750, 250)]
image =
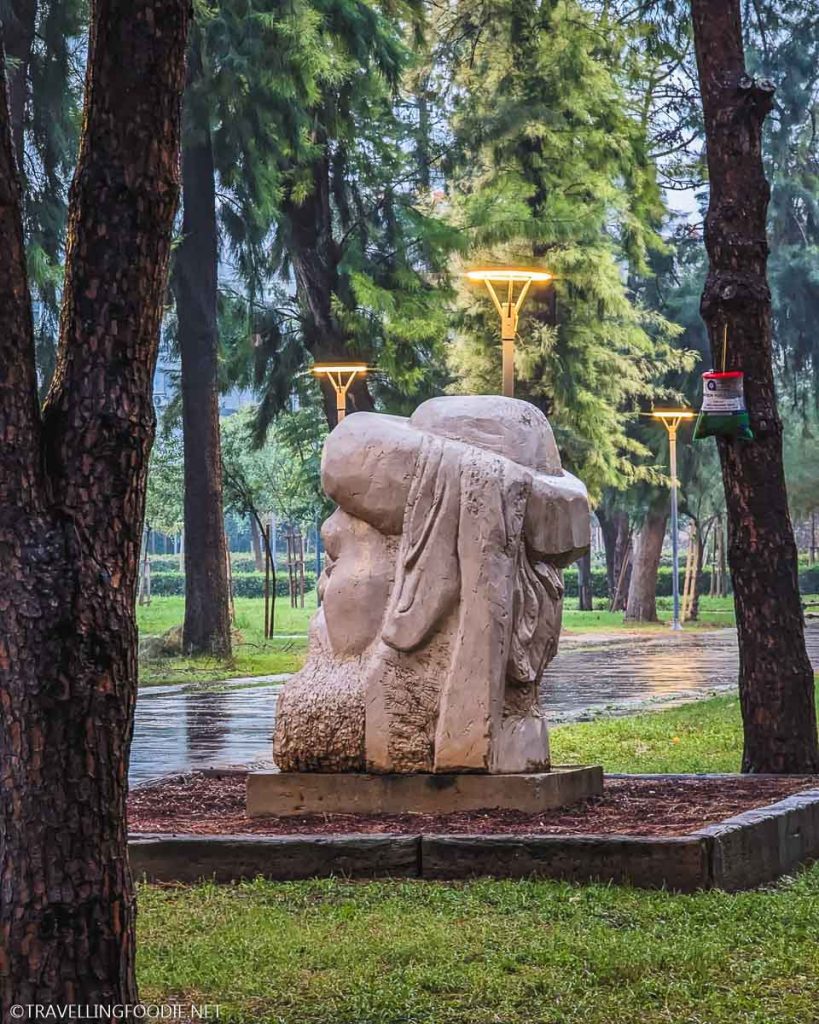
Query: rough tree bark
[(315, 255), (207, 598), (648, 547), (775, 676), (72, 490)]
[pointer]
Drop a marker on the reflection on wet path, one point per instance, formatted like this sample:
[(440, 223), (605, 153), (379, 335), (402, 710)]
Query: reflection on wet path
[(180, 728)]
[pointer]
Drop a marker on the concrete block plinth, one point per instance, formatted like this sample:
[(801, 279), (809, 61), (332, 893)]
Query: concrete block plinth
[(286, 794)]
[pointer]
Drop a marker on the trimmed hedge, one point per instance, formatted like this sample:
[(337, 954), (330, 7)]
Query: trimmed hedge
[(170, 563), (664, 586), (245, 584), (251, 584)]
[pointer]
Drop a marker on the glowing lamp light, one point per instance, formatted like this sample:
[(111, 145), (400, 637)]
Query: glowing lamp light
[(509, 308), (672, 419), (341, 376)]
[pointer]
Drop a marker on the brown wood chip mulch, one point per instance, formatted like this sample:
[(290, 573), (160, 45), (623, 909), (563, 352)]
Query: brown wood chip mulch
[(207, 804)]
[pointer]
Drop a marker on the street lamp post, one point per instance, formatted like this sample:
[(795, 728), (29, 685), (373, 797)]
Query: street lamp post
[(671, 420), (509, 309), (341, 376)]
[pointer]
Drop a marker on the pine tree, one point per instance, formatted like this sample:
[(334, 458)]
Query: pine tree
[(550, 168), (356, 224), (72, 491), (44, 46), (776, 682), (239, 93)]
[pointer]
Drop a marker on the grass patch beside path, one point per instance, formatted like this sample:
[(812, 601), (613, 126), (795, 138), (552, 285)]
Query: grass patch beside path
[(333, 952), (252, 656), (715, 612), (163, 613), (705, 736)]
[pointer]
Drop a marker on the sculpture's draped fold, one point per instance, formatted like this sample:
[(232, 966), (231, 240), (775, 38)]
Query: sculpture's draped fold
[(444, 678)]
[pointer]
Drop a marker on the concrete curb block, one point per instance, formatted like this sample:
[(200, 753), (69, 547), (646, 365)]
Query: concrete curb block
[(188, 859), (748, 850), (765, 843), (680, 863)]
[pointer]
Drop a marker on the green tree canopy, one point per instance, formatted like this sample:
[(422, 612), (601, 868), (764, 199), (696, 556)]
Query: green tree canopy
[(550, 167)]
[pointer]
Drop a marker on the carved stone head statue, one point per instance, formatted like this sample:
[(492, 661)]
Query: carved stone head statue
[(441, 594)]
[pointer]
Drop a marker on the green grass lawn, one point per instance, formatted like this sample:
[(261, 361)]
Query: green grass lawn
[(252, 656), (714, 612), (336, 952), (705, 736), (163, 613)]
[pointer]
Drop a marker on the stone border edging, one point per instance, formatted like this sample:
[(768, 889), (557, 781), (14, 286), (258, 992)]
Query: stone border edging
[(747, 850)]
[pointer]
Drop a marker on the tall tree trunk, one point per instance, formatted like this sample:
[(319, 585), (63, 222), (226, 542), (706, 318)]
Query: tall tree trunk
[(315, 255), (648, 547), (207, 598), (72, 496), (700, 539), (18, 37), (775, 676), (256, 544), (584, 584), (616, 530)]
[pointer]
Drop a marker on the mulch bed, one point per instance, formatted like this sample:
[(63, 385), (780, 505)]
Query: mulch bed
[(208, 804)]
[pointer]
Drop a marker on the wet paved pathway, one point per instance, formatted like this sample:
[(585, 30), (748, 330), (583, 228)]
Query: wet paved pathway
[(179, 728)]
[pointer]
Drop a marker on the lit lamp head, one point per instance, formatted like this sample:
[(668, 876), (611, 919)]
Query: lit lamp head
[(506, 280), (341, 376), (671, 419)]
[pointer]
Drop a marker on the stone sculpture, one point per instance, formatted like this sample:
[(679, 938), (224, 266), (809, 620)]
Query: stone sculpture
[(441, 594)]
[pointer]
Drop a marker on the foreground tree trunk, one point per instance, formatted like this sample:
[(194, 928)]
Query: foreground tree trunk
[(72, 493), (648, 547), (207, 597), (775, 675)]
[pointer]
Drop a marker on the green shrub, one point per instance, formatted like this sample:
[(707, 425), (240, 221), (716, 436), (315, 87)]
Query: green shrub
[(164, 563), (168, 581), (245, 584), (243, 563)]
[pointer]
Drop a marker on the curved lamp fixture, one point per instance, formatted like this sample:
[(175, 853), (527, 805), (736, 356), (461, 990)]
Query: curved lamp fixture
[(506, 278)]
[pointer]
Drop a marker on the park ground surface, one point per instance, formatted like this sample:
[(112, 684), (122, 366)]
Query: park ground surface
[(483, 952), (285, 652)]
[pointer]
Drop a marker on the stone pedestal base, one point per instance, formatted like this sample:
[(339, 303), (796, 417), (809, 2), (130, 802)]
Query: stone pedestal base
[(286, 794)]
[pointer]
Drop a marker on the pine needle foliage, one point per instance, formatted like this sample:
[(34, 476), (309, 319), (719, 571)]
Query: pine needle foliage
[(329, 229), (552, 170)]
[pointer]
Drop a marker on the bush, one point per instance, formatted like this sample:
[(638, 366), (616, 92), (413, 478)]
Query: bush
[(243, 563), (664, 586), (164, 563), (171, 583), (245, 584)]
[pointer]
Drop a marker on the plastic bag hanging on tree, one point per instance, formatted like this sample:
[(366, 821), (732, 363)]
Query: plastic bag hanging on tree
[(723, 412)]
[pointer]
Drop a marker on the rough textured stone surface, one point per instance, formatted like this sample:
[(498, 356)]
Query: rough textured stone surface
[(442, 594), (761, 845), (295, 793), (676, 863), (189, 859)]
